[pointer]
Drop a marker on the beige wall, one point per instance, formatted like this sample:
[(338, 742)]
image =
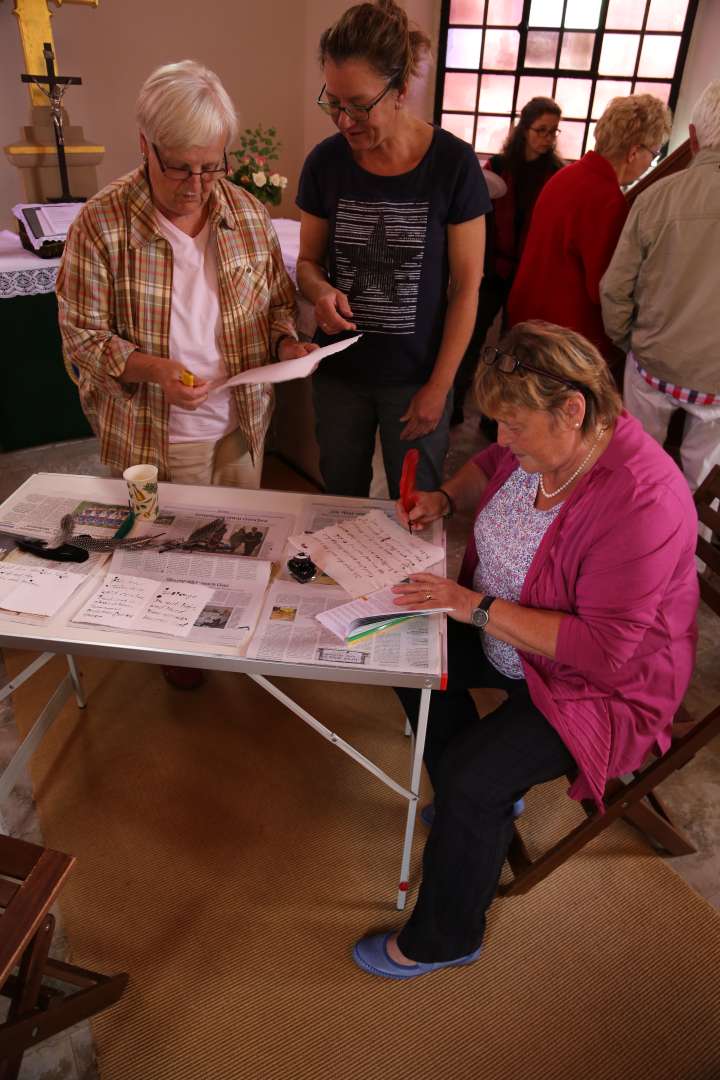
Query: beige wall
[(264, 52), (701, 67)]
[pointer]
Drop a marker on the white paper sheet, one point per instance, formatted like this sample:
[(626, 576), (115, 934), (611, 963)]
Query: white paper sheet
[(284, 370), (368, 553), (36, 590), (132, 603)]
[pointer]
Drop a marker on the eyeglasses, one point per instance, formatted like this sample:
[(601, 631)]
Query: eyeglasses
[(207, 173), (552, 132), (507, 364), (353, 112), (654, 154)]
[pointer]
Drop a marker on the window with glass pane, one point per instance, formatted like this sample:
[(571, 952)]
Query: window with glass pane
[(497, 54)]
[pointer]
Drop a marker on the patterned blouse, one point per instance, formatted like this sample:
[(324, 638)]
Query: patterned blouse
[(114, 293), (508, 532)]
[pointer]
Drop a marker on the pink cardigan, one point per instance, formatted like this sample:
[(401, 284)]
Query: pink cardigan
[(619, 559)]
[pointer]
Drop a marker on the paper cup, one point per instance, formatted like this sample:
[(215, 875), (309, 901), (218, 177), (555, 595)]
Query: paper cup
[(142, 490)]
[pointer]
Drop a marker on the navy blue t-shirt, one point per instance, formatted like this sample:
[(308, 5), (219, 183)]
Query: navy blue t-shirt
[(388, 251)]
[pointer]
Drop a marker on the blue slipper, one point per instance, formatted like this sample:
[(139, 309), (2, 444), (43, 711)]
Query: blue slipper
[(371, 955), (427, 814)]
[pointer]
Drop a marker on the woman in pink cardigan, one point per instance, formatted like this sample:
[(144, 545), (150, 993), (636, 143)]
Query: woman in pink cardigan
[(577, 597)]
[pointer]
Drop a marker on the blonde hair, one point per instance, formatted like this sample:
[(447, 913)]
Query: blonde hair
[(185, 104), (380, 34), (637, 120), (560, 352)]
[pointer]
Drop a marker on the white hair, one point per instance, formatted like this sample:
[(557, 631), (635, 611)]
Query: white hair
[(183, 105), (706, 116)]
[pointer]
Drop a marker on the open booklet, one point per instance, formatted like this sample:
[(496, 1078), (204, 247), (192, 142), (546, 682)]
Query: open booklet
[(370, 615)]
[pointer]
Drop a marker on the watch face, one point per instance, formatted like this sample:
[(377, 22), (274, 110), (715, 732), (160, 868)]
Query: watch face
[(480, 617)]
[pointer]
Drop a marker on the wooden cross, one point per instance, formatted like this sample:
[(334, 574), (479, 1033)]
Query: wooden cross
[(56, 87), (34, 24)]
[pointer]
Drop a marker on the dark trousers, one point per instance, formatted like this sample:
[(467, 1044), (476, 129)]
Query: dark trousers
[(478, 768), (493, 293), (347, 417)]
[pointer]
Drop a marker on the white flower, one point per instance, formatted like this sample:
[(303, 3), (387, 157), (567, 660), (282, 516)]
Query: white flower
[(283, 181), (276, 179), (259, 179)]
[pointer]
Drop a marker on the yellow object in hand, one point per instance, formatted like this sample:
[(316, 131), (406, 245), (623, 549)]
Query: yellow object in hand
[(187, 378)]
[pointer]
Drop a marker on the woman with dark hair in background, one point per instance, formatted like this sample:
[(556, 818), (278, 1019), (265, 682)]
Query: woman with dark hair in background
[(527, 162), (391, 244)]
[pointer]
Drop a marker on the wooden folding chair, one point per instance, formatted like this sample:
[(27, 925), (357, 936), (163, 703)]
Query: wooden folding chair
[(30, 879), (635, 799)]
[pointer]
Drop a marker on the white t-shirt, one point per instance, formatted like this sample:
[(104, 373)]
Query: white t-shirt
[(194, 331)]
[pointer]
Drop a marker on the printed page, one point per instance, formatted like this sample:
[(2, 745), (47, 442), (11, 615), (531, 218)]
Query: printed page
[(217, 532), (38, 515), (35, 590), (368, 553), (284, 370), (288, 630)]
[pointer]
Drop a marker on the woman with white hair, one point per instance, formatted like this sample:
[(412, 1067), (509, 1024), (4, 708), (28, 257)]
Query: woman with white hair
[(172, 270), (578, 218)]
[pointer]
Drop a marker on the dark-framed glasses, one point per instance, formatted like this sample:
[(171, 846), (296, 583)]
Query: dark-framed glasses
[(507, 364), (207, 173), (552, 132), (655, 155), (356, 113)]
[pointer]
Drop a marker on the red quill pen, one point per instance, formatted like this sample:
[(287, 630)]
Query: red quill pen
[(408, 494)]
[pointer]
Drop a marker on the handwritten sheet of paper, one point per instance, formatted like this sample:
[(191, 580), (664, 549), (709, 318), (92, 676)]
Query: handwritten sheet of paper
[(36, 591), (284, 370), (132, 603), (368, 553)]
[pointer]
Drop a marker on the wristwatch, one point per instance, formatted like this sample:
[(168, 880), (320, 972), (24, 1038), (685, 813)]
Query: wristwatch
[(480, 617)]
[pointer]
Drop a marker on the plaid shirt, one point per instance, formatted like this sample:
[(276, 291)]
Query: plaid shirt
[(114, 292)]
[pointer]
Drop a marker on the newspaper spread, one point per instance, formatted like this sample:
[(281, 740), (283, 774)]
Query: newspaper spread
[(288, 630), (238, 585)]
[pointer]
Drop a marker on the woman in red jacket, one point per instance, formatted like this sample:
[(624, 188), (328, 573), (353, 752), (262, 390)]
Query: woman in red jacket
[(527, 162), (578, 219)]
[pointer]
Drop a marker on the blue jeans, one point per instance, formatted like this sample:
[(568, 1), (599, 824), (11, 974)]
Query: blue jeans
[(347, 415)]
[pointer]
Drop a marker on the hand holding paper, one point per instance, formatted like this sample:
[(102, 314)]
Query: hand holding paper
[(284, 370)]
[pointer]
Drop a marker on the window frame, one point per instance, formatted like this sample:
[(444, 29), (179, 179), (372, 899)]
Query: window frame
[(555, 73)]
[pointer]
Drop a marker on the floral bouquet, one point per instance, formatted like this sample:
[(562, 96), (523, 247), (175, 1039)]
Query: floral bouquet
[(258, 147)]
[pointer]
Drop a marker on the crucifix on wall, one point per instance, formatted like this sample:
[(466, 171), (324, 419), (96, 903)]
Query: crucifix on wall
[(55, 91)]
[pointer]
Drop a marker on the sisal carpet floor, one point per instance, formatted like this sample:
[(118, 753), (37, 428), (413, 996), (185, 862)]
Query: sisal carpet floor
[(228, 858)]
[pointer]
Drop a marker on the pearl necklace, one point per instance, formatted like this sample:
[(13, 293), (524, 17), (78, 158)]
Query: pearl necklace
[(581, 466)]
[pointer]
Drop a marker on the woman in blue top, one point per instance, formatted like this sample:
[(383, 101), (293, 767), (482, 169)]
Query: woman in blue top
[(391, 245)]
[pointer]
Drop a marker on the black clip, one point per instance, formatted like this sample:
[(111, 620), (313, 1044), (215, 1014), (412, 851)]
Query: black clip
[(302, 568)]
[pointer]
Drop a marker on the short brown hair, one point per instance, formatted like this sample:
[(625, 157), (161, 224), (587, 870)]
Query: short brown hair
[(639, 119), (560, 352), (380, 34)]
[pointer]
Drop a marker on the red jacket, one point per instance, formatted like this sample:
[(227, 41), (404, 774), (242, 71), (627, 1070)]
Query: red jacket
[(575, 226)]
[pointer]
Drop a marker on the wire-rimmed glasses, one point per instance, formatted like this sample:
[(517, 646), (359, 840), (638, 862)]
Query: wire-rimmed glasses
[(356, 113), (507, 364), (207, 173)]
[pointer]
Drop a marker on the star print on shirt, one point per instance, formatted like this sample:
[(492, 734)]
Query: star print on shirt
[(378, 249)]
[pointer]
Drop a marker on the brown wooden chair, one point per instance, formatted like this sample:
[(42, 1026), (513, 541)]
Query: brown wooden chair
[(635, 799), (30, 879)]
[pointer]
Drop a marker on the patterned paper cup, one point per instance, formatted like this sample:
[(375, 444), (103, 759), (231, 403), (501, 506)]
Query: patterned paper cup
[(142, 490)]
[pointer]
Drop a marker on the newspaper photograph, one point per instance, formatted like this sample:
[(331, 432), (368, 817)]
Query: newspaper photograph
[(288, 630), (255, 535), (239, 586)]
